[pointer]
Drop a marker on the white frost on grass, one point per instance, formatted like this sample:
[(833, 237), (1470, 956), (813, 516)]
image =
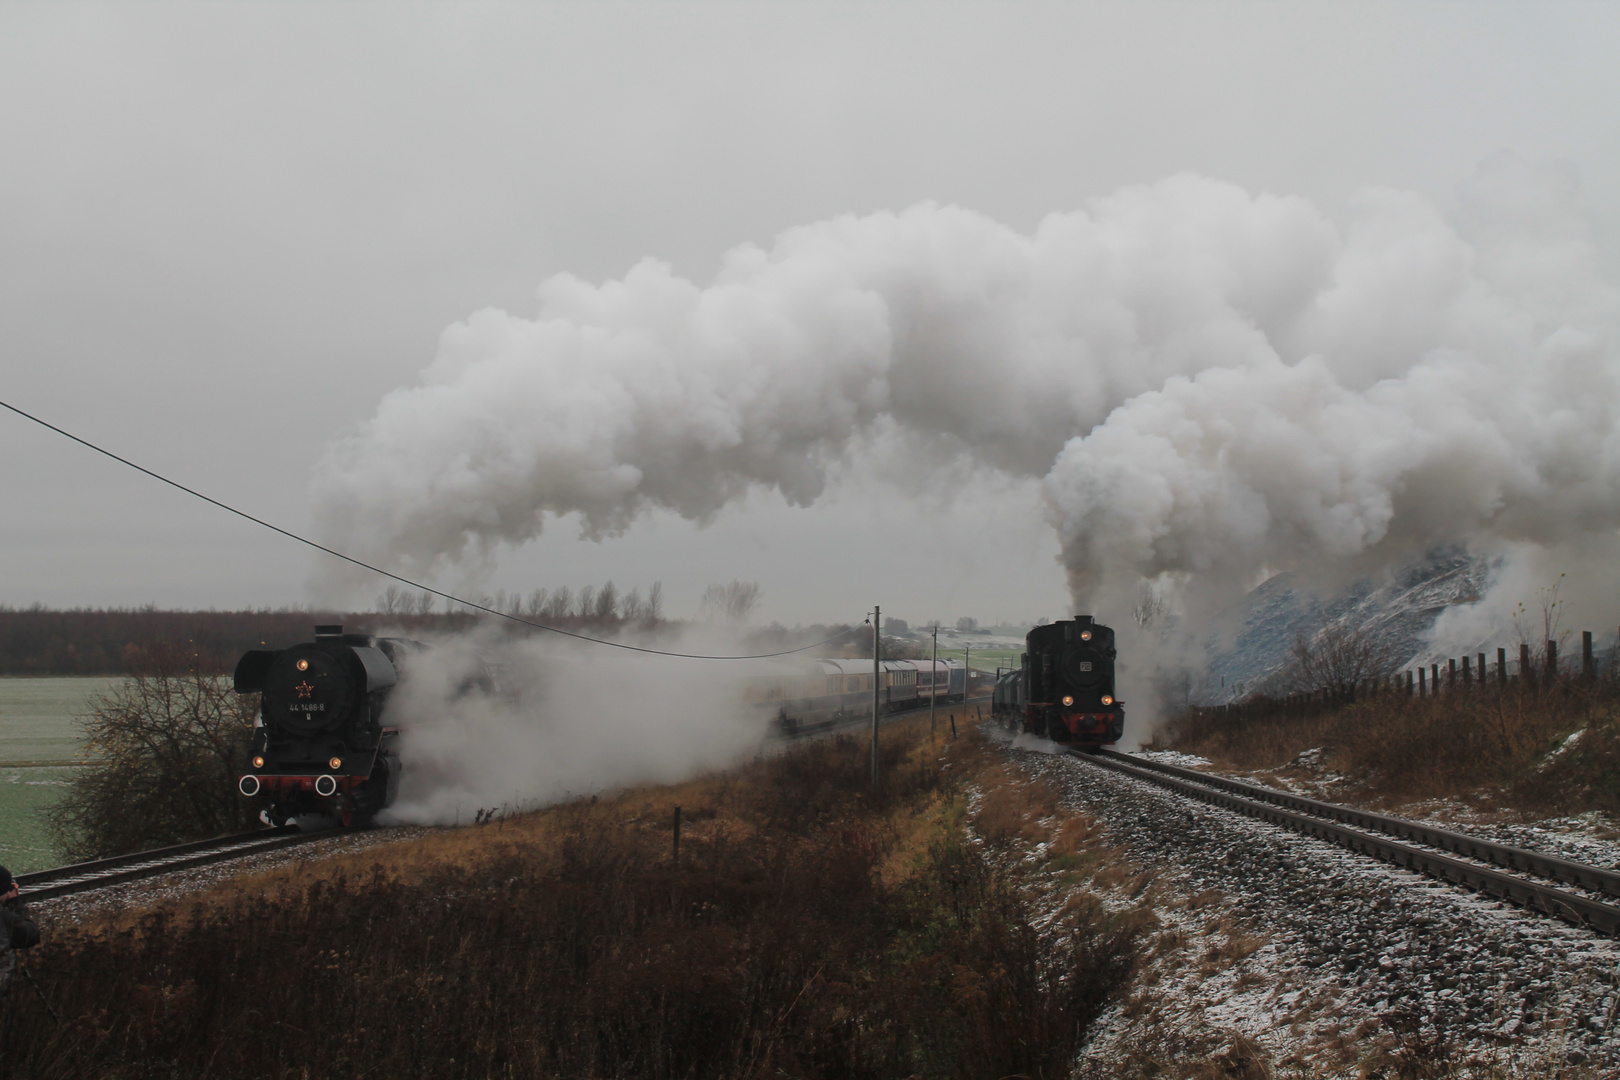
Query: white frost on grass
[(1173, 757)]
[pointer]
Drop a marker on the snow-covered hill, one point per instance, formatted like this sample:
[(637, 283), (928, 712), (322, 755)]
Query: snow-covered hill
[(1400, 612)]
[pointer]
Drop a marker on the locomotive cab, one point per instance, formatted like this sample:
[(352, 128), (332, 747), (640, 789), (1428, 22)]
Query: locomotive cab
[(1067, 684), (321, 745)]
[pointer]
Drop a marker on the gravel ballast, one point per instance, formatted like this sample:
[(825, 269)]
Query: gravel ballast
[(172, 888), (1345, 949)]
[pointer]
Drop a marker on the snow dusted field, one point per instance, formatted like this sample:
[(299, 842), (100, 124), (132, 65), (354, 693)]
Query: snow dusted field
[(1292, 949)]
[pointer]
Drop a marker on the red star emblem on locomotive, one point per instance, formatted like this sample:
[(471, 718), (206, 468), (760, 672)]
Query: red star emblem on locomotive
[(304, 689)]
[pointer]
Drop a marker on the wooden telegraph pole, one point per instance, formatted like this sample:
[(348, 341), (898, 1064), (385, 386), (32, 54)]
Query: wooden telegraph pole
[(933, 681), (877, 647)]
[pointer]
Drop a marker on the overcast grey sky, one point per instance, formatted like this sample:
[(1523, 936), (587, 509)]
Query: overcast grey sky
[(227, 231)]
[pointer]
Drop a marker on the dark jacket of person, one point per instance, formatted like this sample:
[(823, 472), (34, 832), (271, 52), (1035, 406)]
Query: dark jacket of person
[(17, 931)]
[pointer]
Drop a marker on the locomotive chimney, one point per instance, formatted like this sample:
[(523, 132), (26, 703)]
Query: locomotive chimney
[(1084, 620), (329, 633)]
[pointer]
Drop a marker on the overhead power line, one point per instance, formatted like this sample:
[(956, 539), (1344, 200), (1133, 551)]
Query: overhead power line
[(405, 580)]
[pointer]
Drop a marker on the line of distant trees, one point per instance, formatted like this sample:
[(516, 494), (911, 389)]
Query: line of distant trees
[(604, 605), (43, 641), (112, 641), (119, 641)]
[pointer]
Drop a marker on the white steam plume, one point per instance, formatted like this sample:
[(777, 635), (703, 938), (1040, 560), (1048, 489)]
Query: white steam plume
[(1213, 384), (567, 720)]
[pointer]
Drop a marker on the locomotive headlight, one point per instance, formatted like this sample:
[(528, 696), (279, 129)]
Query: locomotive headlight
[(258, 762), (303, 665), (1085, 635), (1107, 700), (336, 763), (1067, 700)]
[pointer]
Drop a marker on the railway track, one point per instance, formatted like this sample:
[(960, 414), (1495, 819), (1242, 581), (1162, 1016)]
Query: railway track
[(1386, 837), (82, 877)]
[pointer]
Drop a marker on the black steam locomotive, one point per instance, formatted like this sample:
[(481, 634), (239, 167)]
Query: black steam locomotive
[(321, 746), (1064, 689)]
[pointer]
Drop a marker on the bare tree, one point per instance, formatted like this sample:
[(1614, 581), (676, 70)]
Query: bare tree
[(1552, 615), (630, 606), (535, 607), (392, 600), (655, 602), (733, 602), (560, 604), (607, 603), (1338, 658), (585, 605), (424, 602), (168, 744), (1152, 611)]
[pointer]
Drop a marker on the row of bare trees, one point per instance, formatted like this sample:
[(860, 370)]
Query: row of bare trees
[(604, 604)]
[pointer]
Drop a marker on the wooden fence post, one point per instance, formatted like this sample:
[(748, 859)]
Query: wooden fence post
[(1526, 676), (1423, 690), (1552, 662), (1468, 675), (1501, 667), (1588, 665), (1451, 674)]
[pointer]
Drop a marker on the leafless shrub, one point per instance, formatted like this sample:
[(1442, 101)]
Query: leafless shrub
[(1338, 659), (167, 745)]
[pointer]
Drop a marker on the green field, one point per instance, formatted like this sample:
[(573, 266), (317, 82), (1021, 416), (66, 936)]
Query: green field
[(25, 797), (38, 724), (984, 659)]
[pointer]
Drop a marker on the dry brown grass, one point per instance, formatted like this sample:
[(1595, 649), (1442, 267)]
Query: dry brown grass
[(810, 928), (1013, 807), (1229, 943), (1489, 745)]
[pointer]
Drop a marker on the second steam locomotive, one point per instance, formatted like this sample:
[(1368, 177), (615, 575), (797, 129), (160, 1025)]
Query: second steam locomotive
[(1064, 689)]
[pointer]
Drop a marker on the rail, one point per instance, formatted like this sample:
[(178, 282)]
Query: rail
[(98, 873), (1273, 806)]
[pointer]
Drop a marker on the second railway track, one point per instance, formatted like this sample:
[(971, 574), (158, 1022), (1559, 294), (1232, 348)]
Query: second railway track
[(1376, 835)]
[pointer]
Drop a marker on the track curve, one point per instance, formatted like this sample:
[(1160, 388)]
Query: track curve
[(1333, 823)]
